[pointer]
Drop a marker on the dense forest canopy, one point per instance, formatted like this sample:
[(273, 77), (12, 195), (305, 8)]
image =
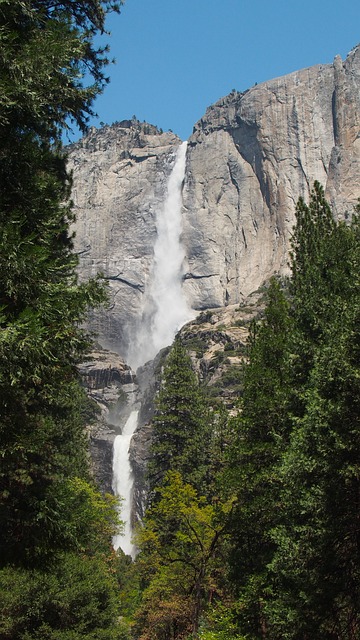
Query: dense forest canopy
[(56, 578)]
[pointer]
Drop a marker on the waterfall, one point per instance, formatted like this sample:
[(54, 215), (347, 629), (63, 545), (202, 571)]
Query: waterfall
[(123, 481), (166, 310), (165, 313)]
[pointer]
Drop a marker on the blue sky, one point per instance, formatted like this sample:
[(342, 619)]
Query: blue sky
[(176, 57)]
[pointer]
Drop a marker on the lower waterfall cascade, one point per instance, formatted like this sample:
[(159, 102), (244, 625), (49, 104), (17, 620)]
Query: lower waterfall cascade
[(123, 481), (167, 312)]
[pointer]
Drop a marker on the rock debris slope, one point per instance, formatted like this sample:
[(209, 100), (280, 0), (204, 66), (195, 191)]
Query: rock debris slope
[(249, 159)]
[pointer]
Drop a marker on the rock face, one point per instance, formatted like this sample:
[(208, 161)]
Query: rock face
[(115, 389), (119, 182), (248, 160), (110, 383)]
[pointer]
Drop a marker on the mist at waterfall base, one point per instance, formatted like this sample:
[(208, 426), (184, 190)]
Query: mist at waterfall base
[(166, 309), (166, 312)]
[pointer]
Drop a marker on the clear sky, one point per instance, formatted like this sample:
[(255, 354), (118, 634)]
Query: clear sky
[(176, 57)]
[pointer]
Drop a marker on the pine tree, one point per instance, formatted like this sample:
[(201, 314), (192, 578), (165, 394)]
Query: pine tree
[(55, 528), (312, 277), (45, 48), (316, 587), (261, 434), (181, 424)]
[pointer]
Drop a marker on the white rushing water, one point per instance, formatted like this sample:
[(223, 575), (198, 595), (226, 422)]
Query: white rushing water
[(166, 312), (167, 309), (123, 481)]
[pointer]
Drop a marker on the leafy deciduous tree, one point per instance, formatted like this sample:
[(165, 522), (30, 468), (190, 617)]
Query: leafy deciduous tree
[(178, 545)]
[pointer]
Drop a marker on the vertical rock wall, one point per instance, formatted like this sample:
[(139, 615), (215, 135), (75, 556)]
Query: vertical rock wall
[(119, 180), (249, 159)]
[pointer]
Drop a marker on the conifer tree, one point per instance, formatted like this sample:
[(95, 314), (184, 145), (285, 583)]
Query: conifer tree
[(45, 49), (181, 424), (55, 528), (295, 531), (261, 433), (311, 283), (317, 581)]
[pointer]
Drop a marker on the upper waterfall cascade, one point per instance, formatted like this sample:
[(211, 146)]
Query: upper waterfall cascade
[(248, 160), (166, 310)]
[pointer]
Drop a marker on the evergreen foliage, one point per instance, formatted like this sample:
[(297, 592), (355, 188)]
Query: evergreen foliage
[(283, 502), (295, 534), (261, 432), (317, 546), (75, 599), (183, 532), (253, 525), (55, 534), (252, 529), (181, 424)]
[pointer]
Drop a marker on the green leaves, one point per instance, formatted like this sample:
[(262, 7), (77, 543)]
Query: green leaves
[(75, 599), (178, 545), (40, 92), (55, 535), (184, 526), (295, 465)]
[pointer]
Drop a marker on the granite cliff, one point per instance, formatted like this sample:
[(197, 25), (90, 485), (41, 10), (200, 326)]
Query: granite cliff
[(251, 156), (248, 160), (120, 175)]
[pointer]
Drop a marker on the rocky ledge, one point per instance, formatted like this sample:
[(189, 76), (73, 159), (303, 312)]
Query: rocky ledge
[(110, 385)]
